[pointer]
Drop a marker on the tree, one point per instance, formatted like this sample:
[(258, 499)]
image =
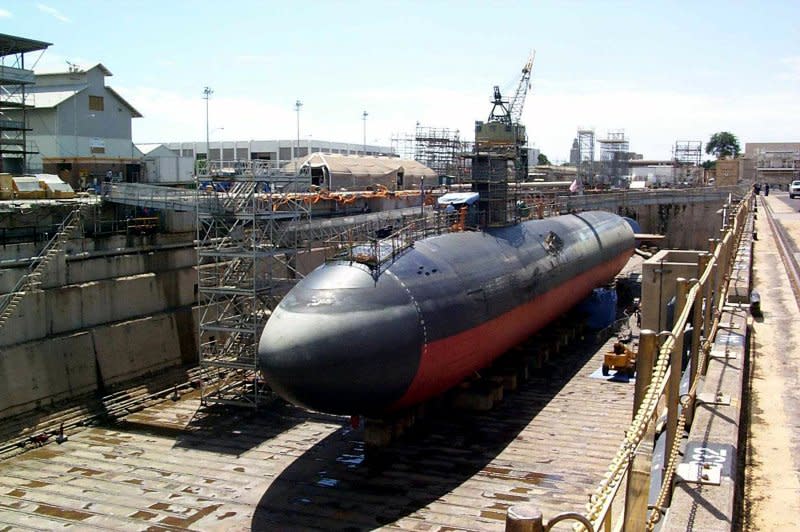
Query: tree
[(542, 159), (723, 144)]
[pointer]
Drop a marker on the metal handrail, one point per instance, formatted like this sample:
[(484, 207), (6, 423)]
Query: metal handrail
[(38, 263)]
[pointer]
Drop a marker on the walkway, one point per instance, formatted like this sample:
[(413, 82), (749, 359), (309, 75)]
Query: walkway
[(772, 468)]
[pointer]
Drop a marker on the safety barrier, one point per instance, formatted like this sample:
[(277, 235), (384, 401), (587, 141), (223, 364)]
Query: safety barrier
[(658, 389)]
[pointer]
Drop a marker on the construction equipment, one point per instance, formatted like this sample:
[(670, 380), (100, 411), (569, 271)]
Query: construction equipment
[(518, 101), (621, 359), (510, 112)]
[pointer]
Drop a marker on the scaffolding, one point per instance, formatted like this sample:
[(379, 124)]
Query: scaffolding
[(246, 262), (585, 156), (14, 80), (614, 157), (688, 151), (440, 149), (686, 156)]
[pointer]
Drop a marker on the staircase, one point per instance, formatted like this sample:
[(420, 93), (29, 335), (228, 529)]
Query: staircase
[(33, 278)]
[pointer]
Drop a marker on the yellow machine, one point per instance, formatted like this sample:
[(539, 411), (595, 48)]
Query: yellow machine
[(621, 359)]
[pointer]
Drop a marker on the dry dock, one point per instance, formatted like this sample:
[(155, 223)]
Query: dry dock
[(177, 466)]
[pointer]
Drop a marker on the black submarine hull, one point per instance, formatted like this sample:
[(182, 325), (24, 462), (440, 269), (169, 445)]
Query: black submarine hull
[(342, 341)]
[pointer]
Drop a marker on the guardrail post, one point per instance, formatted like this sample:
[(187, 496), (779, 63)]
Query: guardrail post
[(675, 365), (697, 320), (524, 518), (645, 358), (638, 487)]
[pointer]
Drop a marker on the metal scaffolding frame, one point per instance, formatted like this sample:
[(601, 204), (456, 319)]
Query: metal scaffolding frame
[(614, 156), (15, 148), (688, 151), (585, 155), (245, 264), (440, 149), (686, 156)]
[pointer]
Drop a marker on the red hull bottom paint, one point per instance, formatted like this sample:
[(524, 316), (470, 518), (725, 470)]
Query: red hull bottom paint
[(446, 362)]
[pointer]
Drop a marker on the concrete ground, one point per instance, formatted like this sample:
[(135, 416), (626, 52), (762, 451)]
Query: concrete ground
[(772, 466)]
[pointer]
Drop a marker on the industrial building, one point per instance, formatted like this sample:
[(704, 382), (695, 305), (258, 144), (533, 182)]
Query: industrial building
[(776, 163), (80, 128), (279, 152)]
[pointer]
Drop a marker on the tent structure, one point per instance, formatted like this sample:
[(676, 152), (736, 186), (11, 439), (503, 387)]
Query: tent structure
[(352, 172)]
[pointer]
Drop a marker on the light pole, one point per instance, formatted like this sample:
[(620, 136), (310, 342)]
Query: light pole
[(207, 92), (364, 117), (297, 105)]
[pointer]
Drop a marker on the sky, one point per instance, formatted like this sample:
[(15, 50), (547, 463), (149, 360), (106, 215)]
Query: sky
[(660, 71)]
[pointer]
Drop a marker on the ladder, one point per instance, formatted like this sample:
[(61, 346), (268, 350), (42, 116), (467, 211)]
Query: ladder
[(38, 267)]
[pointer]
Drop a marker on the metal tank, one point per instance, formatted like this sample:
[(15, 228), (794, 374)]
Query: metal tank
[(343, 341)]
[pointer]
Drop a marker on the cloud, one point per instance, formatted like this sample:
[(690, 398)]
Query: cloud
[(4, 13), (171, 116), (53, 12), (792, 65), (653, 118)]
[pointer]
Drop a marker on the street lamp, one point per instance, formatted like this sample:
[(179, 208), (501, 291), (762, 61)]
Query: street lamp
[(207, 92), (297, 105), (364, 117)]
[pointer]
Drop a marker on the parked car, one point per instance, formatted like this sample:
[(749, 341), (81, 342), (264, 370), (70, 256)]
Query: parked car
[(794, 189)]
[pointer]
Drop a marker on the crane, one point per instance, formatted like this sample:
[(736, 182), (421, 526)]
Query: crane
[(518, 101), (511, 112)]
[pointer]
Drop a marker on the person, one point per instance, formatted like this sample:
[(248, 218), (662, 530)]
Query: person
[(766, 189)]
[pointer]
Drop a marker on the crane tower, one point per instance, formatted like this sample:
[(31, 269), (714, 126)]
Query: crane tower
[(500, 155)]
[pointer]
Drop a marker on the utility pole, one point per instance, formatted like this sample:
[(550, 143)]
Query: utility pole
[(364, 117), (207, 92), (297, 105)]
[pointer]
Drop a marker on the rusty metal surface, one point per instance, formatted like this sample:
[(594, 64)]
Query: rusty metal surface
[(173, 466)]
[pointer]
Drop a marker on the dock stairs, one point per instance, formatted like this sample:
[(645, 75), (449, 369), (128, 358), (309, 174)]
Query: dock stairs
[(39, 265)]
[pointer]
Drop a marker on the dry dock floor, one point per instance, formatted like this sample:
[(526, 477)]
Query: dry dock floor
[(177, 466)]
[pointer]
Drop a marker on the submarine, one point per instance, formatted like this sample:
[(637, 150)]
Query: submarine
[(353, 339)]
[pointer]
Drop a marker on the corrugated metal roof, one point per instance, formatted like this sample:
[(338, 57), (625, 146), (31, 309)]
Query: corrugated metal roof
[(11, 44), (44, 100)]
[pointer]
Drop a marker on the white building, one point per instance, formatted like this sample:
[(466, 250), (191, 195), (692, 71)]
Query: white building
[(80, 126), (279, 152), (162, 166)]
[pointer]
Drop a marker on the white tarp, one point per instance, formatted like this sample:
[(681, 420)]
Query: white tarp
[(458, 198)]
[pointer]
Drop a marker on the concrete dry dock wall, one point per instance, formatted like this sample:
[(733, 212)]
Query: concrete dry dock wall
[(46, 371), (59, 368), (130, 349), (77, 307), (98, 265)]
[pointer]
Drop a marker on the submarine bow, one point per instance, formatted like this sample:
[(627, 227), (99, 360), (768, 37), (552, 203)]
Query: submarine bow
[(343, 342)]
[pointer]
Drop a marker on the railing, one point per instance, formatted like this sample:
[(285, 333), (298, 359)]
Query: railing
[(658, 383), (375, 244), (633, 198), (150, 196), (32, 277)]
